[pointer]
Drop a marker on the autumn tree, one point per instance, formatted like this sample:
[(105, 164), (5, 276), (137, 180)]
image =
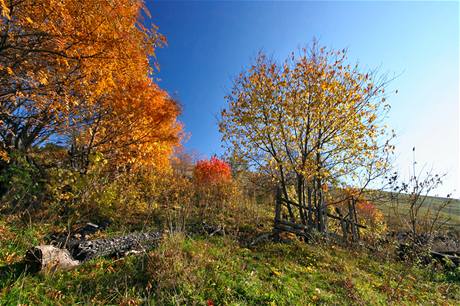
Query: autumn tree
[(137, 129), (81, 73), (313, 122)]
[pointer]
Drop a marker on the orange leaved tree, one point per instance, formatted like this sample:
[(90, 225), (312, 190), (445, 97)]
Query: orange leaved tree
[(80, 72)]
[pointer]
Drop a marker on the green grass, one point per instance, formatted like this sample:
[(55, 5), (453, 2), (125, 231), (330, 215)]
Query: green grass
[(198, 270), (449, 214)]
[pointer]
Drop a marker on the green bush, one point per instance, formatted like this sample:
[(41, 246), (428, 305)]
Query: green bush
[(21, 183)]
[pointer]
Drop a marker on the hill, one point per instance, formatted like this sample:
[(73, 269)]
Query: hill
[(220, 270), (449, 214)]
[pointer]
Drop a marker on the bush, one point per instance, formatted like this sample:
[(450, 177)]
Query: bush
[(209, 196), (215, 190), (99, 194), (21, 183), (174, 195), (212, 172), (172, 200), (368, 215)]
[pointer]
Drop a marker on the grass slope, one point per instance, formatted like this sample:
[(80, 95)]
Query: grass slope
[(450, 214), (219, 271)]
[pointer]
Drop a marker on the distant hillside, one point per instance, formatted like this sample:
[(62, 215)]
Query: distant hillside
[(451, 213)]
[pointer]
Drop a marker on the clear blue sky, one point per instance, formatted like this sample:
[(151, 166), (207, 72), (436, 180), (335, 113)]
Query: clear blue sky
[(210, 42)]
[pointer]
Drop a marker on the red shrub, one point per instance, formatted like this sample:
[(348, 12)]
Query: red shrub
[(367, 209), (212, 171)]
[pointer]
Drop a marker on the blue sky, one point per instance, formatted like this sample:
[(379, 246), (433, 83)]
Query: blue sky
[(210, 42)]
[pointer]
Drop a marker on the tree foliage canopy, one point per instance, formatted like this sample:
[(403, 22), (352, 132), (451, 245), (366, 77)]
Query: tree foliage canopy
[(80, 72), (313, 121)]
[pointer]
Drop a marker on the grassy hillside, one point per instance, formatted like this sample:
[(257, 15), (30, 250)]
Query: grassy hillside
[(450, 214), (220, 271)]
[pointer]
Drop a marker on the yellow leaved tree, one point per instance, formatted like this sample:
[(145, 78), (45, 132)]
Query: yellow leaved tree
[(313, 122)]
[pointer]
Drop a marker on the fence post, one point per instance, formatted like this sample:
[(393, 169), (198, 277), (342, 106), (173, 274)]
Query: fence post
[(356, 218), (342, 224), (351, 218)]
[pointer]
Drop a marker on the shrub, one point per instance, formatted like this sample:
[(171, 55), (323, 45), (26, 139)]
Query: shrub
[(213, 171), (21, 183), (214, 188), (368, 215), (99, 194), (372, 217), (173, 200)]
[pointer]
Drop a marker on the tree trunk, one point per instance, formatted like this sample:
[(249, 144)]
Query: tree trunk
[(117, 246), (342, 224), (284, 189), (310, 208), (300, 199), (50, 258)]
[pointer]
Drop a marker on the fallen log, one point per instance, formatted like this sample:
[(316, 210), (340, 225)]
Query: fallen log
[(443, 256), (117, 246), (72, 237), (294, 225), (48, 258), (290, 229)]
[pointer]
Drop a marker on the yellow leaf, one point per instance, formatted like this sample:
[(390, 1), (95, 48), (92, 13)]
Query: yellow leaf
[(44, 81), (29, 20), (10, 258), (276, 272), (5, 10), (9, 70)]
